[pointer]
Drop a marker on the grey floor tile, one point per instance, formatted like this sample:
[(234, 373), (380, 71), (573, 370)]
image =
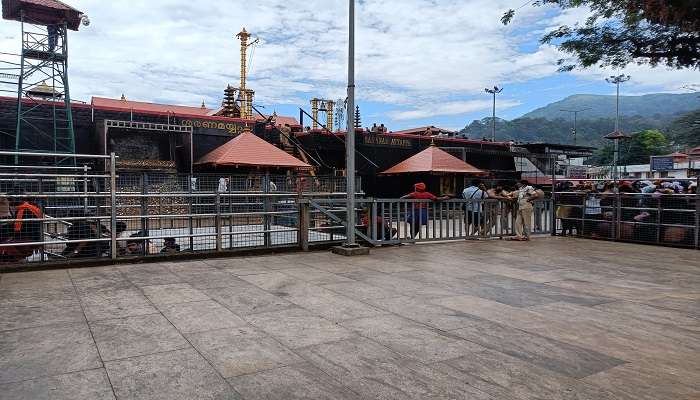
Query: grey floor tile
[(83, 385), (497, 373), (175, 375), (27, 312), (411, 340), (173, 293), (298, 328), (240, 351), (291, 383), (98, 279), (375, 372), (360, 291), (45, 351), (108, 304), (423, 311), (627, 380), (247, 299), (567, 359), (36, 280), (149, 275), (200, 316), (135, 336), (315, 276)]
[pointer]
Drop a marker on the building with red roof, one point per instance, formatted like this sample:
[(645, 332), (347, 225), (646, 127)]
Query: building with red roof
[(249, 151), (433, 161)]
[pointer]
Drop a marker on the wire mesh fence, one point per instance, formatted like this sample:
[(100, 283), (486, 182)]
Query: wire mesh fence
[(663, 212), (53, 214)]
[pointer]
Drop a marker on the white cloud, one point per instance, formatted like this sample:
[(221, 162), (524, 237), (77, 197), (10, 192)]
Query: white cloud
[(450, 108), (410, 54)]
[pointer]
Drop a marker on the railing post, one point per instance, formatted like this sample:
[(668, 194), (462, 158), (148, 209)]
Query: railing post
[(304, 223), (217, 221), (190, 219), (42, 228), (267, 207), (697, 213), (373, 222), (113, 205)]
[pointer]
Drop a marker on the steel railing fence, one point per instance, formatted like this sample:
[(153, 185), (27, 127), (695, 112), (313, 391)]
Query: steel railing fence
[(395, 221), (84, 213), (663, 217)]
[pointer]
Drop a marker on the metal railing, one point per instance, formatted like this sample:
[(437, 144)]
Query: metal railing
[(395, 221), (654, 218), (88, 215)]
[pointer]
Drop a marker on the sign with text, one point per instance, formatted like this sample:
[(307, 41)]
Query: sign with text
[(664, 163), (387, 141), (203, 125)]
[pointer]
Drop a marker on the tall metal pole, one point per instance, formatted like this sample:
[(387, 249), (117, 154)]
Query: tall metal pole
[(496, 90), (350, 135), (617, 80), (575, 112), (493, 119)]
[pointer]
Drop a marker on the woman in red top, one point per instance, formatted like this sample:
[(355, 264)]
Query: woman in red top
[(418, 215)]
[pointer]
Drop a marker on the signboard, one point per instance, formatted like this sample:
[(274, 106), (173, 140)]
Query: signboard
[(664, 163), (203, 126), (578, 172), (386, 141)]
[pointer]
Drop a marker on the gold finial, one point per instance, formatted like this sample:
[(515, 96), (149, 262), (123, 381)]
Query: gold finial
[(204, 106), (123, 98)]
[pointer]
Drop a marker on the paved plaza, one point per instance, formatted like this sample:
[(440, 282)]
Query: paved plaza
[(552, 319)]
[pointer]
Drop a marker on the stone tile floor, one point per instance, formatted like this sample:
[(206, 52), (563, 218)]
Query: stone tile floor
[(552, 319)]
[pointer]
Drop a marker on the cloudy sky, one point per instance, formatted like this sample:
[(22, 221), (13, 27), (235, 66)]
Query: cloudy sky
[(419, 62)]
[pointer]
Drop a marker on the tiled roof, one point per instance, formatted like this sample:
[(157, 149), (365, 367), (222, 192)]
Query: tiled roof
[(434, 160), (247, 149), (140, 106), (694, 151), (129, 105), (42, 12)]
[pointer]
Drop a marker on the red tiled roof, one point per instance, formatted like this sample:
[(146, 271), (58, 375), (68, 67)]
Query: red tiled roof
[(433, 130), (433, 160), (694, 151), (247, 149), (128, 105), (44, 12), (140, 106)]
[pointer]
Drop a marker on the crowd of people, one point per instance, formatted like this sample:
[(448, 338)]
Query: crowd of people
[(516, 201), (23, 230), (642, 210)]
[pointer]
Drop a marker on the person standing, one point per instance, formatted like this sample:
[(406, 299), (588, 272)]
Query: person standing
[(523, 220), (418, 216), (474, 194)]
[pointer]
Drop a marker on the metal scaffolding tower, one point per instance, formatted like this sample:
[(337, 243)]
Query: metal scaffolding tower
[(44, 117)]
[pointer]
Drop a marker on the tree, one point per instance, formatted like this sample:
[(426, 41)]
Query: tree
[(686, 130), (635, 150), (619, 32)]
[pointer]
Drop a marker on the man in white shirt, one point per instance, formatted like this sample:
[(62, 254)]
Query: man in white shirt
[(474, 194)]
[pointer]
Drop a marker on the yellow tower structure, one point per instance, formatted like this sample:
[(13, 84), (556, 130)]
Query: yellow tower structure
[(246, 99), (330, 107), (314, 112)]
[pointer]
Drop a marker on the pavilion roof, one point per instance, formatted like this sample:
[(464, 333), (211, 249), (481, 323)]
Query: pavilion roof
[(248, 150), (434, 160)]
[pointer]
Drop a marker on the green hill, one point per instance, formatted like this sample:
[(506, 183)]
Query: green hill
[(603, 106)]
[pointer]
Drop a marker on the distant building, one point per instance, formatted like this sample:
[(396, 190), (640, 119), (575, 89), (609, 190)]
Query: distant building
[(677, 166)]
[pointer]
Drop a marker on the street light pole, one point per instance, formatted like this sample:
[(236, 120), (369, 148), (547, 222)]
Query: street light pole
[(350, 134), (575, 112), (494, 92), (617, 80)]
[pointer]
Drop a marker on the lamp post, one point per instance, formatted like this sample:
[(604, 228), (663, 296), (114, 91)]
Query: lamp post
[(496, 90), (616, 135), (575, 112), (350, 134)]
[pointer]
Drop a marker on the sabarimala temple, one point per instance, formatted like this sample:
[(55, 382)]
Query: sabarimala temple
[(172, 138)]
